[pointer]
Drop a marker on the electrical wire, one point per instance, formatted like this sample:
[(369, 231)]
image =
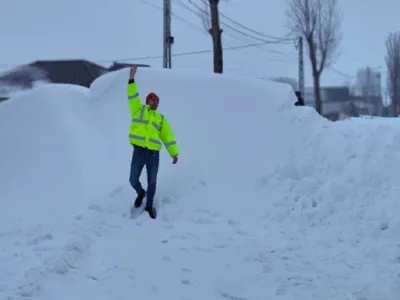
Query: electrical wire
[(201, 13), (184, 53), (341, 73), (198, 28), (204, 30), (245, 27), (258, 45), (190, 53)]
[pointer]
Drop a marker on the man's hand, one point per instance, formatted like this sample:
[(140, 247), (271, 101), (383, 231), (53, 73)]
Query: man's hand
[(175, 159), (132, 71)]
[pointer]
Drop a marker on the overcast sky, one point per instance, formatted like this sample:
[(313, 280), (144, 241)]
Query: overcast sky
[(106, 30)]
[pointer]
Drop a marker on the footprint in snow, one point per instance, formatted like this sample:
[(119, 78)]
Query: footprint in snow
[(186, 270), (40, 238), (118, 190), (165, 258), (96, 207), (200, 184), (186, 281)]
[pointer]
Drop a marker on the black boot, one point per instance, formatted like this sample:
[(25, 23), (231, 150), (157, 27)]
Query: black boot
[(152, 211), (139, 199)]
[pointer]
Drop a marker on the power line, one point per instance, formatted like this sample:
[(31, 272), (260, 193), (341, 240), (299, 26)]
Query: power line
[(341, 73), (161, 56), (174, 14), (254, 31), (185, 53), (263, 42), (265, 37), (201, 13), (198, 28)]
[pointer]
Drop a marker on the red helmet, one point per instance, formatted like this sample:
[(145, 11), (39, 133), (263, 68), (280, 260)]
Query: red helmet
[(152, 96)]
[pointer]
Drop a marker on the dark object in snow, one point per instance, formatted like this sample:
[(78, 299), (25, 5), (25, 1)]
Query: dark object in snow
[(300, 100)]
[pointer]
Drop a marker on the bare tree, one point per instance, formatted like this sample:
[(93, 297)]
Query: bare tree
[(392, 59), (318, 21), (206, 16), (210, 18)]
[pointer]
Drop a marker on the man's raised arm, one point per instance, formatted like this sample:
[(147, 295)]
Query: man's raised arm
[(133, 94)]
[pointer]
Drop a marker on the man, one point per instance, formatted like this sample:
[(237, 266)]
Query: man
[(148, 131)]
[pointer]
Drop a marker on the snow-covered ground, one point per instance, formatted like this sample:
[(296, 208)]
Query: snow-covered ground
[(268, 201), (373, 121)]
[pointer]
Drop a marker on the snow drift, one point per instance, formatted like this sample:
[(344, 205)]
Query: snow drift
[(51, 147), (276, 200)]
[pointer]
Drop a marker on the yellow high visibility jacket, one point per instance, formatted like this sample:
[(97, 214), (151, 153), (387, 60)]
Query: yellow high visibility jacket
[(149, 128)]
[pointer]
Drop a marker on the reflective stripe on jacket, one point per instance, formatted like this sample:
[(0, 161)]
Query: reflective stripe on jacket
[(149, 128)]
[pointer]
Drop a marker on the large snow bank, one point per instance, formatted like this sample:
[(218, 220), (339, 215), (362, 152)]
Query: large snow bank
[(344, 176), (56, 158), (339, 188), (268, 199), (65, 148), (51, 147), (217, 122)]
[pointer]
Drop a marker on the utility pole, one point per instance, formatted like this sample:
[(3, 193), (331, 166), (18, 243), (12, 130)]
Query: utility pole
[(168, 40), (301, 66), (216, 33), (368, 87)]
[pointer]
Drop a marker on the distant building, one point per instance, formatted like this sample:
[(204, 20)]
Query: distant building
[(368, 82), (338, 99), (333, 98)]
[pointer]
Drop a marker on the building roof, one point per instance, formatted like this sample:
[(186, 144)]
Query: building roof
[(70, 71), (79, 72)]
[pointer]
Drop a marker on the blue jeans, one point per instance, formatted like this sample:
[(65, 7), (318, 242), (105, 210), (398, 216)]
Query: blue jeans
[(144, 157)]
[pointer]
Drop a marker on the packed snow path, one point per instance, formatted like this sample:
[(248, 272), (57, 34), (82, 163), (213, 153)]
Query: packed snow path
[(268, 200)]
